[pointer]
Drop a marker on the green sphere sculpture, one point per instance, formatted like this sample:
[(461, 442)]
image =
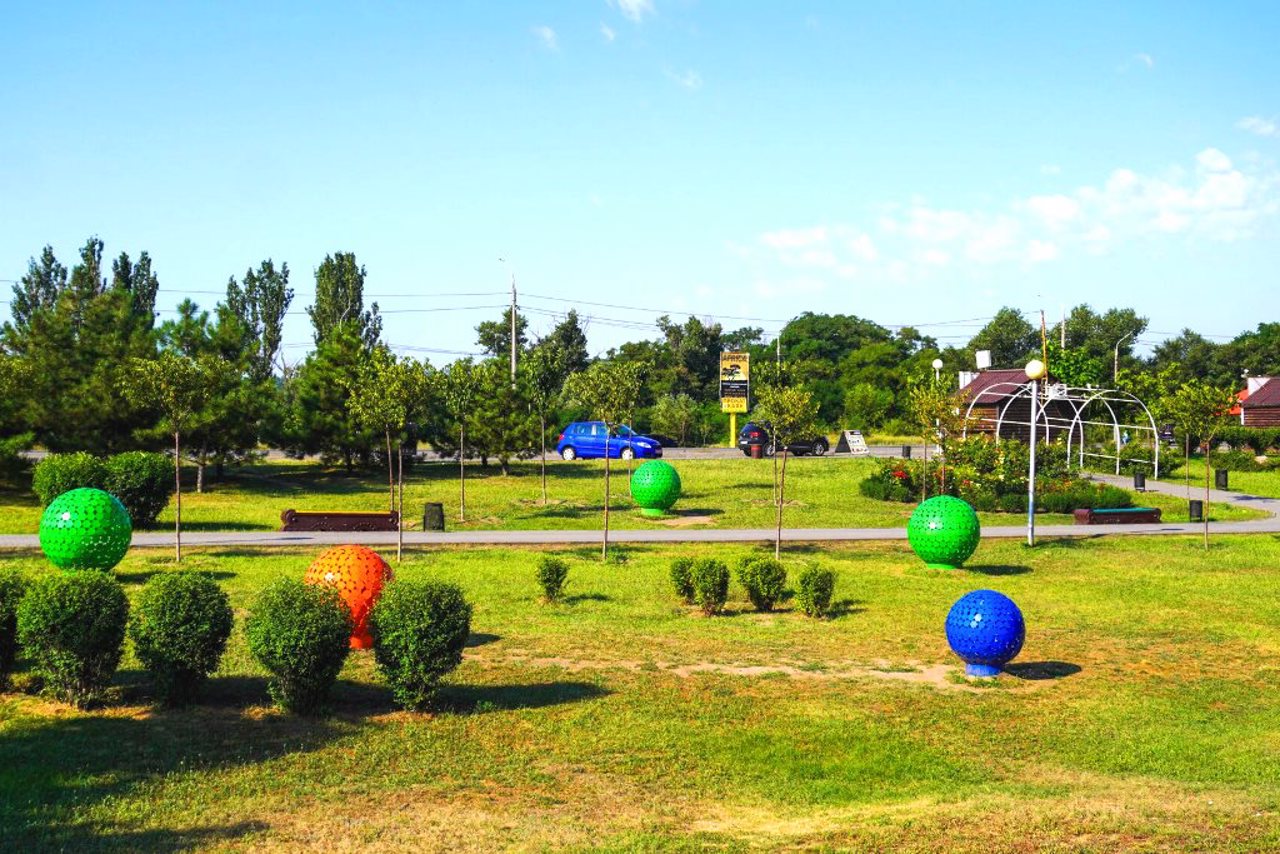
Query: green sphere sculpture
[(944, 532), (85, 529), (655, 486)]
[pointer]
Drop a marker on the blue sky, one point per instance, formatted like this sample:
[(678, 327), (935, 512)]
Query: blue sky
[(914, 163)]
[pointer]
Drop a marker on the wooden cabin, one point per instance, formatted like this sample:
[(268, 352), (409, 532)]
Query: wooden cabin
[(1260, 406)]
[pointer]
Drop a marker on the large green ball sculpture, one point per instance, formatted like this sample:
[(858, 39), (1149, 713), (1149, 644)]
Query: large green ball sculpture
[(85, 529), (655, 486), (944, 532)]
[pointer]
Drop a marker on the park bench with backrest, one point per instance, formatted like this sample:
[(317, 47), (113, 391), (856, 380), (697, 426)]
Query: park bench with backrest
[(1116, 515), (335, 520)]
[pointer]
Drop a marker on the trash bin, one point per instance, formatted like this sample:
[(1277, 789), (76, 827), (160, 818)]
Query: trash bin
[(1196, 510), (1220, 479), (1140, 481), (757, 451), (433, 517), (906, 452)]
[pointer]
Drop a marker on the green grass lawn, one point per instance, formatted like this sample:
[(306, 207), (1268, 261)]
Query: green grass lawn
[(1141, 715), (1264, 483), (718, 493)]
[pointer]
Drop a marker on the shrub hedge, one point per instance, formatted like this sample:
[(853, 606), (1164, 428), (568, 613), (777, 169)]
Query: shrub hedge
[(552, 572), (764, 579), (142, 481), (815, 588), (179, 627), (12, 587), (419, 630), (71, 627), (301, 634), (682, 578), (710, 579)]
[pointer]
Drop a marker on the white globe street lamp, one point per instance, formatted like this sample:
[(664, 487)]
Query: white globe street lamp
[(1035, 372)]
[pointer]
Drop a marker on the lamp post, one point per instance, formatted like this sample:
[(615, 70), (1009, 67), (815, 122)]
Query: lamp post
[(1115, 363), (1035, 372), (937, 366)]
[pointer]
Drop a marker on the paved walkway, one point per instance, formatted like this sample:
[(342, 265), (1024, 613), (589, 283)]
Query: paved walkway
[(702, 535)]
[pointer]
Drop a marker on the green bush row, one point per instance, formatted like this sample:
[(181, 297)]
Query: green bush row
[(1259, 440), (705, 582), (72, 628), (142, 481)]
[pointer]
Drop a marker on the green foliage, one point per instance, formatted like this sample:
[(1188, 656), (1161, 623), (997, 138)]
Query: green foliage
[(1259, 440), (608, 391), (143, 481), (682, 578), (710, 578), (675, 415), (340, 301), (59, 473), (71, 627), (1075, 366), (179, 627), (13, 586), (175, 385), (1010, 338), (419, 631), (494, 336), (764, 579), (814, 590), (301, 634), (319, 420), (260, 305), (866, 405), (1240, 460), (551, 573)]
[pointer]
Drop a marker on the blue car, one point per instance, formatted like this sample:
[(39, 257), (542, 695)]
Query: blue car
[(586, 439)]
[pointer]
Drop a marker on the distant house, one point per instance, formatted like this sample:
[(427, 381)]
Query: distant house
[(1260, 406), (997, 408)]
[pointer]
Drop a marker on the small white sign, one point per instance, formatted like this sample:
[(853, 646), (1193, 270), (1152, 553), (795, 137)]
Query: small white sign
[(851, 441)]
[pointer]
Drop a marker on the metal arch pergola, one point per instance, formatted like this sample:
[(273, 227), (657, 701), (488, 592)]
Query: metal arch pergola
[(1080, 400)]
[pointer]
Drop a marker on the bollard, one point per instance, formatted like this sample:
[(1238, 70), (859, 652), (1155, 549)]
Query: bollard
[(1196, 510), (433, 517)]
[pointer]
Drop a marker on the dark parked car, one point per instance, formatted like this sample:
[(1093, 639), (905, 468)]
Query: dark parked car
[(758, 433), (586, 439)]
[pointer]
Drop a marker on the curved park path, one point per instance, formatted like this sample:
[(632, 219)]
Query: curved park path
[(705, 535)]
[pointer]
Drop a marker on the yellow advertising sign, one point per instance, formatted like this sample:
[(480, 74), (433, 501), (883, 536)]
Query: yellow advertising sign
[(735, 375)]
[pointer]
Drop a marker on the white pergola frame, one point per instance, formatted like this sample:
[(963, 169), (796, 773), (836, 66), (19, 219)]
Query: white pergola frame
[(1080, 400)]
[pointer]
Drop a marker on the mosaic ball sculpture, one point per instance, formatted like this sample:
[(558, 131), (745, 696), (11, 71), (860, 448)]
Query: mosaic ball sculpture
[(944, 532), (655, 486), (358, 574), (85, 529), (986, 630)]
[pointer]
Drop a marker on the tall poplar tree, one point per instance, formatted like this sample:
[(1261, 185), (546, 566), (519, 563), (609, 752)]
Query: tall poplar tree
[(340, 300)]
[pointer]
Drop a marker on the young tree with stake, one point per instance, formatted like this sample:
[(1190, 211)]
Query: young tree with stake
[(460, 383), (543, 373), (1198, 410), (792, 414)]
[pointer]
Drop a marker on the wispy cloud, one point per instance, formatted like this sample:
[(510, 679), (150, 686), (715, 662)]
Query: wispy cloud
[(547, 36), (607, 32), (635, 10), (1214, 199), (689, 78), (1146, 59), (1259, 125)]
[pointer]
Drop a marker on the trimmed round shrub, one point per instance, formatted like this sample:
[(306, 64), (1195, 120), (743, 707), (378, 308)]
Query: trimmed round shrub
[(12, 588), (301, 634), (179, 626), (552, 572), (59, 473), (419, 630), (710, 579), (71, 627), (682, 578), (142, 481), (764, 579), (814, 590)]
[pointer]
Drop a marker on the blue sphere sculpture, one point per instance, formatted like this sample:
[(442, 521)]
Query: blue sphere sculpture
[(986, 630)]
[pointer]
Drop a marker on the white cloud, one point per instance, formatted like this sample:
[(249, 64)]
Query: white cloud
[(1146, 59), (689, 79), (607, 32), (634, 10), (547, 36), (1259, 125), (1216, 200)]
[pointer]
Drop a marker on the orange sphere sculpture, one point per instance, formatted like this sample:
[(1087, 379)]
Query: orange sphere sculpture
[(357, 573)]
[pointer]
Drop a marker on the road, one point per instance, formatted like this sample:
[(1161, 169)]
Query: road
[(1269, 525)]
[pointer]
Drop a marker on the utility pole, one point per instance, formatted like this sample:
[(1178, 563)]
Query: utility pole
[(513, 330)]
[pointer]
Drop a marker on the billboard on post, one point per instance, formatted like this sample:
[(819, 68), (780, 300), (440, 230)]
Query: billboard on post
[(735, 381)]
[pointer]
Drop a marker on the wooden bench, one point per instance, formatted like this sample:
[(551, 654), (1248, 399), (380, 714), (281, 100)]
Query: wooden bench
[(334, 520), (1117, 516)]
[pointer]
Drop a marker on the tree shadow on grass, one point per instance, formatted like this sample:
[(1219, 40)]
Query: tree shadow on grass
[(1038, 671), (998, 569), (845, 608), (586, 597), (481, 638), (471, 699), (142, 576)]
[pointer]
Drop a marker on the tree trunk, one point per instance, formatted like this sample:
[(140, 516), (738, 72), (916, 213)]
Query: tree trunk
[(1186, 466), (782, 493), (400, 516), (924, 472), (542, 419), (462, 474), (775, 469), (177, 485), (391, 480), (201, 464), (1205, 512), (604, 542)]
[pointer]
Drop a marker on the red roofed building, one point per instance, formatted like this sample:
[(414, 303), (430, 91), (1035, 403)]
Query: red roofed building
[(1260, 406), (992, 394)]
